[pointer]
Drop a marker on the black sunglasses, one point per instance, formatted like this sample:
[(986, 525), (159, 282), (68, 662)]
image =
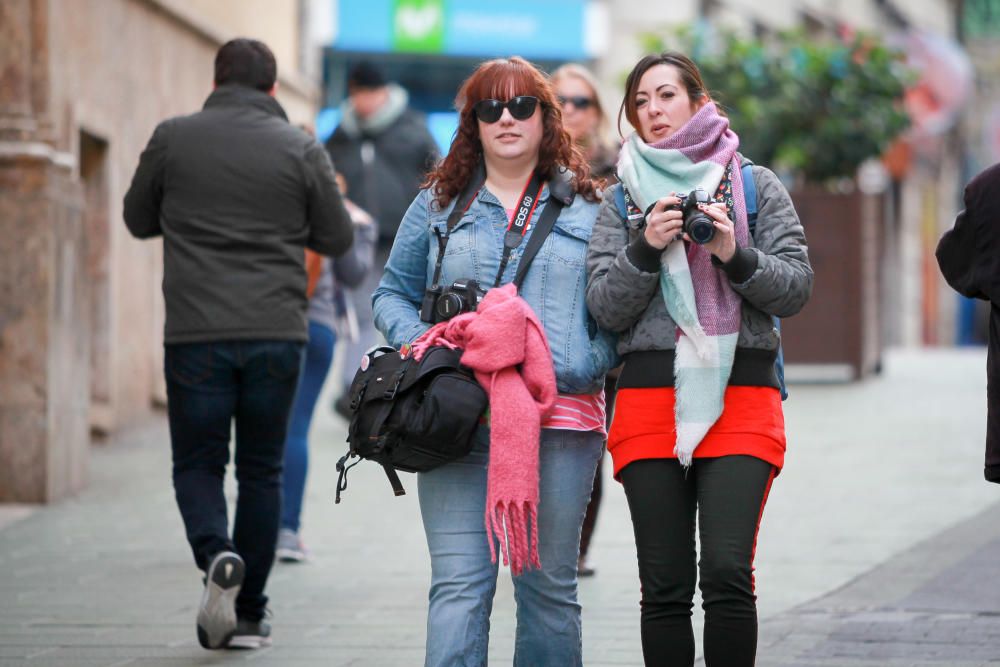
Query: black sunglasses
[(521, 108), (581, 102)]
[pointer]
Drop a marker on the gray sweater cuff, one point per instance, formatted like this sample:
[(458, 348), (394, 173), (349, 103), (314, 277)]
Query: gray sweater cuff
[(740, 267), (642, 255)]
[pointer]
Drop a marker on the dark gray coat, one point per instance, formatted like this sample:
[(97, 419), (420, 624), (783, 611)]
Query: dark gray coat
[(237, 194), (969, 257)]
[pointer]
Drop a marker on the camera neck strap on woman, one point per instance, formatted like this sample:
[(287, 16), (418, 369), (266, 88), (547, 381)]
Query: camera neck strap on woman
[(518, 225), (517, 228)]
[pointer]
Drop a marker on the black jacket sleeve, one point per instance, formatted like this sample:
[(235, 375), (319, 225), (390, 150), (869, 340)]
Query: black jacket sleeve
[(141, 208), (330, 230), (969, 253)]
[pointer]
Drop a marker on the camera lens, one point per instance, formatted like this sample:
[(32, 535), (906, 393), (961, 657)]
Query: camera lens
[(449, 304), (699, 227)]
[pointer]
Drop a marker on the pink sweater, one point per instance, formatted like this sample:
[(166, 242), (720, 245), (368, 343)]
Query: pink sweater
[(505, 346)]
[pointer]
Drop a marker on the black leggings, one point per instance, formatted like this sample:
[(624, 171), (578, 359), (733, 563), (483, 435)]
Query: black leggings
[(728, 493)]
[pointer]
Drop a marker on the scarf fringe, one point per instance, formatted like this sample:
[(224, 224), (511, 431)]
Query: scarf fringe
[(433, 337), (514, 525)]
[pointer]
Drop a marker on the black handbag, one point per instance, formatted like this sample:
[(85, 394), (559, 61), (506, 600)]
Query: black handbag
[(411, 415), (415, 415)]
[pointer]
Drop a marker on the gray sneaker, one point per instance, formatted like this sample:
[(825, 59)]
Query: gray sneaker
[(290, 548), (251, 635), (217, 612)]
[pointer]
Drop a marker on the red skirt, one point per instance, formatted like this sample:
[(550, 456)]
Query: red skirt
[(751, 424)]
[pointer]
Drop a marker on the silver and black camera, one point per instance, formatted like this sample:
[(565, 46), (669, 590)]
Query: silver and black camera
[(443, 303)]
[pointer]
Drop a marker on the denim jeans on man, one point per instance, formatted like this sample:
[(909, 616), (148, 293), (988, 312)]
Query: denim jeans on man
[(209, 385), (463, 578)]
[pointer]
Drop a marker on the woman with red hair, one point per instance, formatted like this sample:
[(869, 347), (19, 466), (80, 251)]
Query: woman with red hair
[(510, 148)]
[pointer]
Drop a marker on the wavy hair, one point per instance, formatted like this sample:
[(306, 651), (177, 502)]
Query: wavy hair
[(503, 79)]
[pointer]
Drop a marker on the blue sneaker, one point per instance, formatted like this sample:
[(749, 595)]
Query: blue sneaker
[(217, 612)]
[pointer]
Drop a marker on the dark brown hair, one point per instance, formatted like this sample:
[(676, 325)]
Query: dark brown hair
[(246, 62), (689, 73), (503, 79)]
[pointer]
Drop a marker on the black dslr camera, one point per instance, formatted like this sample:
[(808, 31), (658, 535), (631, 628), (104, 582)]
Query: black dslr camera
[(699, 227), (443, 303)]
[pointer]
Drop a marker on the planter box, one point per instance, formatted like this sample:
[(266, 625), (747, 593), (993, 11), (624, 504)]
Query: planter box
[(836, 336)]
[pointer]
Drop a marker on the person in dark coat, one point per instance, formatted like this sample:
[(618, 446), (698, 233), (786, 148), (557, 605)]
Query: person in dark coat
[(969, 257), (384, 150), (237, 193)]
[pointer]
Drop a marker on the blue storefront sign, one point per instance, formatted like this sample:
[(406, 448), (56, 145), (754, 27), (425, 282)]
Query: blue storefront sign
[(556, 29)]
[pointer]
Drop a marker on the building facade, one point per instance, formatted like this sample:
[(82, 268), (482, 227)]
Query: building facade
[(82, 85)]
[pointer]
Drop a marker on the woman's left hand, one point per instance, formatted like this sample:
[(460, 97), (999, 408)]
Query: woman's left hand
[(723, 244)]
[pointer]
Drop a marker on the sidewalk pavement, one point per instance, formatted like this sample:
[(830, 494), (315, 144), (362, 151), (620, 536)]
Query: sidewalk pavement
[(878, 547)]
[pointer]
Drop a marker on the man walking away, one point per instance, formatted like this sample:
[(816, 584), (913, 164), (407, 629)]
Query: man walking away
[(237, 194), (969, 256), (384, 150)]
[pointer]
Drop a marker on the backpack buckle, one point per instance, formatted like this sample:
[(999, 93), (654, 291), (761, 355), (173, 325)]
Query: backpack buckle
[(397, 379), (360, 394)]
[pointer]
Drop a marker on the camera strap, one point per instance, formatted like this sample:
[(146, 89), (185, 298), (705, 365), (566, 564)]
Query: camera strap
[(545, 224), (518, 225), (468, 194), (516, 230)]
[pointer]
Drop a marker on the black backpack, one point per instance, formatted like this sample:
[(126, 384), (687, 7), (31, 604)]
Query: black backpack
[(411, 415)]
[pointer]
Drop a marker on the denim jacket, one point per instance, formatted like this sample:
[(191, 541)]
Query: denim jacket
[(554, 286)]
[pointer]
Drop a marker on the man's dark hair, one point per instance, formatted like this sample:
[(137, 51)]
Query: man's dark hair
[(246, 62)]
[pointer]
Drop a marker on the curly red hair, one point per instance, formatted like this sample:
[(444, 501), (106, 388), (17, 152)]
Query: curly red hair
[(503, 79)]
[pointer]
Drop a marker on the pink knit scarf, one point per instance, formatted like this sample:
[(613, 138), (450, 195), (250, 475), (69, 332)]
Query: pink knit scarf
[(505, 345)]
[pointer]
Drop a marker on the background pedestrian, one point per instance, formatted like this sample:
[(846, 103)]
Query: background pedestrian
[(237, 193)]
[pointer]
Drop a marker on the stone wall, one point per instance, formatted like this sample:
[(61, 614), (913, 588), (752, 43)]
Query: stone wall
[(82, 85), (43, 336), (120, 68)]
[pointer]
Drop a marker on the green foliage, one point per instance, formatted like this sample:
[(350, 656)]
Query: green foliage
[(818, 109)]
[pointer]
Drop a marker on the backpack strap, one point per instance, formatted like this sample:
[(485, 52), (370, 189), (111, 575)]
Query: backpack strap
[(618, 191), (750, 197)]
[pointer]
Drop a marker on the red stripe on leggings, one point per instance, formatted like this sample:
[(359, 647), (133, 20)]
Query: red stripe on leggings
[(753, 553)]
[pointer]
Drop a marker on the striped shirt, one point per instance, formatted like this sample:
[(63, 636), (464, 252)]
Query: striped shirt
[(578, 412)]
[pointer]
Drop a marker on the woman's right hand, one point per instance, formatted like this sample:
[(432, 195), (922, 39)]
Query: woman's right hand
[(664, 223)]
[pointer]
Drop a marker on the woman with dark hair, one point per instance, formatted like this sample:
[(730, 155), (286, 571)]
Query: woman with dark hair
[(698, 433), (510, 134)]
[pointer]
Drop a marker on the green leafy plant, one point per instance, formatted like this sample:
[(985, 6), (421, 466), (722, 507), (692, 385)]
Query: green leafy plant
[(815, 108)]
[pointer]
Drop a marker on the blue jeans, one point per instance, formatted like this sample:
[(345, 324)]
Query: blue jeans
[(209, 385), (319, 356), (463, 580)]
